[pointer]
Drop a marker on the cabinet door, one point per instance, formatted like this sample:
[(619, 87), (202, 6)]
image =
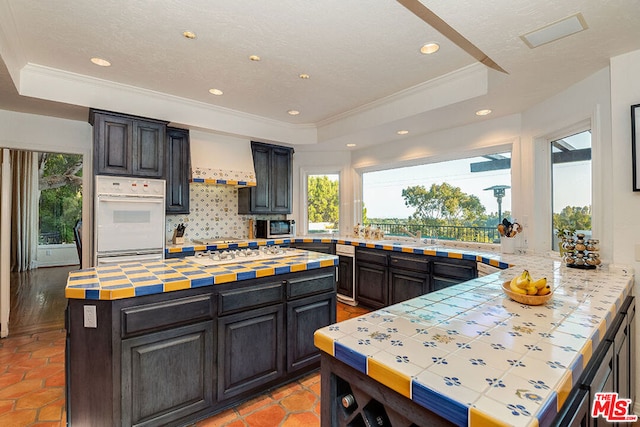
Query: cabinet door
[(113, 144), (250, 350), (167, 375), (576, 411), (371, 285), (261, 193), (345, 276), (304, 316), (281, 180), (148, 149), (404, 285), (621, 360), (325, 248), (177, 171)]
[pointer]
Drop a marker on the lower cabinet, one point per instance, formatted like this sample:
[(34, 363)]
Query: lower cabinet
[(166, 375), (371, 284), (325, 248), (304, 317), (408, 277), (171, 359), (250, 351)]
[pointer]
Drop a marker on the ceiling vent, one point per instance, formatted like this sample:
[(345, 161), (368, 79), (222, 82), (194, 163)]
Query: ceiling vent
[(552, 32)]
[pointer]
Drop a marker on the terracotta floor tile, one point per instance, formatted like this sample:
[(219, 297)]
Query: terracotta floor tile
[(39, 398), (20, 389), (315, 388), (6, 406), (56, 380), (317, 408), (300, 401), (51, 412), (47, 352), (310, 379), (11, 358), (57, 359), (46, 424), (44, 372), (271, 416), (238, 423), (286, 390), (34, 345), (304, 419), (16, 342), (253, 404), (18, 418), (9, 378), (29, 363)]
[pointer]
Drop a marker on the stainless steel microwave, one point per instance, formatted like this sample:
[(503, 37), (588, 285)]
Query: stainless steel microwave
[(275, 228)]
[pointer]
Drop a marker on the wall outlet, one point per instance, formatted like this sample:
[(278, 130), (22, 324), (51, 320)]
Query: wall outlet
[(47, 252), (90, 317)]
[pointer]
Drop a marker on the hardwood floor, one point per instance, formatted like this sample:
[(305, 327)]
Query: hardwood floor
[(37, 300)]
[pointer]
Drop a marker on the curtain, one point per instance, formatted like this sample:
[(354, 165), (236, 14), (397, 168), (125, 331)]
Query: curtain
[(24, 210)]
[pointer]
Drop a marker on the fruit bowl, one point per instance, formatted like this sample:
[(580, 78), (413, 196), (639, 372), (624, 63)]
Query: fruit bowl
[(525, 299)]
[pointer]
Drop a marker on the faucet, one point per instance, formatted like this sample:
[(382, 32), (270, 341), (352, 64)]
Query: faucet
[(416, 236)]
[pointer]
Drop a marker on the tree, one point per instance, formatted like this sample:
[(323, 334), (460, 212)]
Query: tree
[(60, 184), (443, 204), (573, 218), (322, 200)]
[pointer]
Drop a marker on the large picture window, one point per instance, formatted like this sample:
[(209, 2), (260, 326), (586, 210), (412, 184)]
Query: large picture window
[(571, 185), (461, 199), (323, 203)]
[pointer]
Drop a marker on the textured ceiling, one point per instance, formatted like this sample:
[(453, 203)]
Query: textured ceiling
[(356, 51)]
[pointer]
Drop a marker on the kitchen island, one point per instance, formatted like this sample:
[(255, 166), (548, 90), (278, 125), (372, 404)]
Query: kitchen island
[(170, 342), (469, 355)]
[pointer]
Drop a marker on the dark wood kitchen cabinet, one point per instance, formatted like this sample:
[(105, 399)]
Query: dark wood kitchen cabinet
[(451, 271), (177, 170), (372, 278), (273, 192), (408, 277), (127, 145), (173, 358)]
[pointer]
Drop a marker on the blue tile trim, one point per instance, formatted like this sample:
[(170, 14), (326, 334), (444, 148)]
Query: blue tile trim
[(283, 270), (608, 318), (469, 257), (595, 339), (197, 180), (246, 275), (442, 254), (549, 410), (442, 405), (204, 281), (91, 294), (149, 290), (355, 360), (312, 265), (576, 369)]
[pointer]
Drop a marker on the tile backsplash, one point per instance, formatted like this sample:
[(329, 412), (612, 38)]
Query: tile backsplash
[(213, 213)]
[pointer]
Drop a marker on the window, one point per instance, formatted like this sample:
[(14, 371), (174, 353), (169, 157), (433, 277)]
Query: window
[(323, 203), (571, 184), (461, 199)]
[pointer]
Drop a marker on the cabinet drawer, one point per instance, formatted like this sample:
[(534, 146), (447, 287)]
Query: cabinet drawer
[(235, 300), (414, 263), (145, 318), (372, 256), (310, 285), (458, 270)]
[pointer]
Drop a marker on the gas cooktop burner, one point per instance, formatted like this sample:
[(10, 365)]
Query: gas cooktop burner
[(242, 255)]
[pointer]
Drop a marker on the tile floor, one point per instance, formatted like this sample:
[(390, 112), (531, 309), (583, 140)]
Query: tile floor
[(32, 388)]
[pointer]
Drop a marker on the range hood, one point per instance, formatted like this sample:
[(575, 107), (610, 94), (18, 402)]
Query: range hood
[(221, 160)]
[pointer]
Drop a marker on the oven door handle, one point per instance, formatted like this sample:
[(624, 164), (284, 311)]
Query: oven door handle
[(131, 199)]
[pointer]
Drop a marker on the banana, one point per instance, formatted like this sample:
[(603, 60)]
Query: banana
[(523, 280), (544, 291), (532, 290), (514, 287), (540, 283)]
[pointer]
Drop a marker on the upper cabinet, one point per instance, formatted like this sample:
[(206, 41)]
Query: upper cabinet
[(128, 145), (273, 192), (177, 167)]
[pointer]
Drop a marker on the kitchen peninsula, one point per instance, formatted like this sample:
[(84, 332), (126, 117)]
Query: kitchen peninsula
[(173, 341)]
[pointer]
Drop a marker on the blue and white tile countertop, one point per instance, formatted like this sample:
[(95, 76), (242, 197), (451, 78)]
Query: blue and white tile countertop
[(145, 278), (478, 358)]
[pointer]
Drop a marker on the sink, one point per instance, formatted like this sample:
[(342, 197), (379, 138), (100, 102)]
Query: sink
[(408, 243)]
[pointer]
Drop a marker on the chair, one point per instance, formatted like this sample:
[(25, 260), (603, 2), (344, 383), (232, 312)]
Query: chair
[(77, 234)]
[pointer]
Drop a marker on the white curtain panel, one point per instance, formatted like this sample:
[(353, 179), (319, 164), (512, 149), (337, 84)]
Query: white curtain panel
[(24, 210)]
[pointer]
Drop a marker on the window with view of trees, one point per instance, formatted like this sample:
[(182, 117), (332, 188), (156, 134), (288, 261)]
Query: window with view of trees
[(323, 203), (571, 185), (60, 184), (452, 200)]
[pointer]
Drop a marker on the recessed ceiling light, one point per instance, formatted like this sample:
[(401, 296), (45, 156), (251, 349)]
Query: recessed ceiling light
[(254, 58), (293, 112), (189, 35), (351, 145), (483, 112), (304, 76), (101, 62), (216, 92), (429, 48), (402, 132)]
